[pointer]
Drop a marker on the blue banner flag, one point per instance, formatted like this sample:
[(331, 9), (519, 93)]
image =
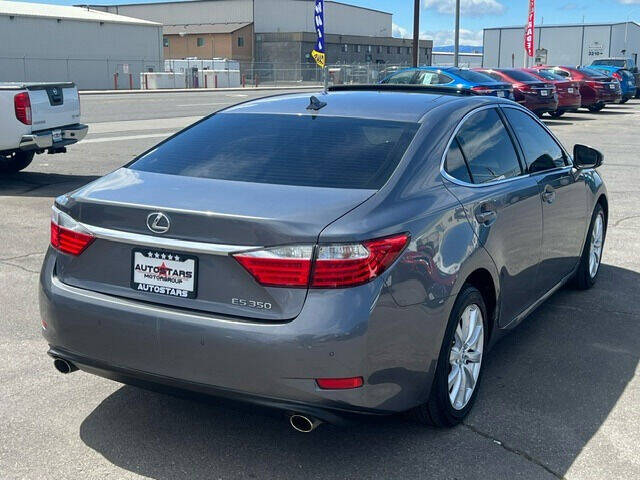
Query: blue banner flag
[(318, 18)]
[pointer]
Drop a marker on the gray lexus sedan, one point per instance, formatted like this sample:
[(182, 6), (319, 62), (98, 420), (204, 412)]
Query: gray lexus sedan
[(349, 252)]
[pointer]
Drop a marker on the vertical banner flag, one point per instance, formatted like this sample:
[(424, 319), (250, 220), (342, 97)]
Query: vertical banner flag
[(529, 34), (318, 18)]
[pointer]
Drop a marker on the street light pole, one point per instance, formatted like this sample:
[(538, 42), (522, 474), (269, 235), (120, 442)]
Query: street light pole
[(416, 31), (456, 47)]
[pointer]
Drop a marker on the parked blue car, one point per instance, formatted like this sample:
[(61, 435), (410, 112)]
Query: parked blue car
[(625, 77), (460, 78)]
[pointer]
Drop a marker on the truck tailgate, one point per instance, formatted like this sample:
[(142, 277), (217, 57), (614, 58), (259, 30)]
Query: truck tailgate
[(54, 105)]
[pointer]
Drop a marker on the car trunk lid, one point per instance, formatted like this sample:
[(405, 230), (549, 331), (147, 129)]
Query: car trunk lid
[(208, 219)]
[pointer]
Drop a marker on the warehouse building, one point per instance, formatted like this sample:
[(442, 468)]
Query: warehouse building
[(94, 49), (465, 60), (578, 44), (277, 32)]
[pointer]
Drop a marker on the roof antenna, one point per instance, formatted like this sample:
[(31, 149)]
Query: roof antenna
[(316, 104)]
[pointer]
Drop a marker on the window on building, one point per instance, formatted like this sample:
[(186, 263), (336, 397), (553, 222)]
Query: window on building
[(358, 48), (200, 42), (379, 49), (240, 42), (408, 50), (345, 48), (426, 51), (389, 50), (165, 42), (368, 48), (399, 50)]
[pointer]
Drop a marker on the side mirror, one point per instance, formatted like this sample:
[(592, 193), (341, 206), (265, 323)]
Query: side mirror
[(586, 157)]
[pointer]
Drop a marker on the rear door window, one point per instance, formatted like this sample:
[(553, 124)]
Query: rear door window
[(455, 163), (407, 77), (487, 148), (541, 151), (304, 150)]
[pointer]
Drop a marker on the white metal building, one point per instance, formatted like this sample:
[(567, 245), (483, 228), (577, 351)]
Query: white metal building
[(466, 60), (268, 16), (565, 44), (57, 43)]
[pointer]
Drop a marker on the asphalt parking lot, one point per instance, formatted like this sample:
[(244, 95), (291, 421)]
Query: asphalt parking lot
[(560, 396)]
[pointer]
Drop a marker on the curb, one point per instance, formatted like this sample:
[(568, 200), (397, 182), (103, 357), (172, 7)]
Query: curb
[(194, 90)]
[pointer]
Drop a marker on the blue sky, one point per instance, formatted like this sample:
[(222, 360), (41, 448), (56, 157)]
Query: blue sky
[(437, 17)]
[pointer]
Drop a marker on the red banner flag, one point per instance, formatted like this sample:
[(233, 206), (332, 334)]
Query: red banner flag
[(529, 34)]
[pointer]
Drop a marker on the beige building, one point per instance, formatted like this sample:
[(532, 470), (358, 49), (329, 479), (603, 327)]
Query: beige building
[(221, 40)]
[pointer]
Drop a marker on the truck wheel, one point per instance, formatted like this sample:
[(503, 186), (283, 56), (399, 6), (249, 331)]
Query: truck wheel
[(458, 373), (16, 161)]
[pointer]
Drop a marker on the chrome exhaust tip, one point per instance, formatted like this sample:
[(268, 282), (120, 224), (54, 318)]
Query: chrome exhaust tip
[(64, 366), (303, 424)]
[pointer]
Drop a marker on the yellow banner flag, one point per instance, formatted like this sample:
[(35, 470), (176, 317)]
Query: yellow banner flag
[(319, 57)]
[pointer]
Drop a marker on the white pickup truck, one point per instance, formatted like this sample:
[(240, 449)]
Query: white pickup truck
[(37, 118)]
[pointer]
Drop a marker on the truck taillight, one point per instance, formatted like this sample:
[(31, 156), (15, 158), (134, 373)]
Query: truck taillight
[(22, 105), (335, 266), (67, 235)]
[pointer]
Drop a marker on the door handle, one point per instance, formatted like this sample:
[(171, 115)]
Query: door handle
[(549, 194), (486, 215)]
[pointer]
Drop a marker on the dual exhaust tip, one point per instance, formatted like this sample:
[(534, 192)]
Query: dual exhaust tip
[(303, 423), (64, 366), (299, 422)]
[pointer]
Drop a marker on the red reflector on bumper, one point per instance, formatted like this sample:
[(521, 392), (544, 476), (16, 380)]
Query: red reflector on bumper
[(339, 383)]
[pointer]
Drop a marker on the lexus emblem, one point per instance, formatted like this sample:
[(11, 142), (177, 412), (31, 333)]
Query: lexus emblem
[(158, 222)]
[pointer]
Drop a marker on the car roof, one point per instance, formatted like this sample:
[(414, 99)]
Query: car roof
[(375, 103)]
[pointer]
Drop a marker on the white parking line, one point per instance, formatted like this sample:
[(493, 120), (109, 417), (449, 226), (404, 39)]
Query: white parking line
[(202, 104), (125, 137)]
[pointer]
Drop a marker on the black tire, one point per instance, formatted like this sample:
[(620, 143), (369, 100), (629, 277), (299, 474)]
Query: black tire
[(557, 114), (584, 280), (438, 411), (624, 100), (595, 108), (16, 161), (540, 114)]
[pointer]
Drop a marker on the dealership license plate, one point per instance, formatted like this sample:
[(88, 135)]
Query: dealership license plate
[(570, 90), (164, 273), (612, 86), (56, 135), (501, 93), (544, 93)]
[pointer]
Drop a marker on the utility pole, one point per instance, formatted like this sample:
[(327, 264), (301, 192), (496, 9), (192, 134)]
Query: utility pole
[(456, 46), (416, 31)]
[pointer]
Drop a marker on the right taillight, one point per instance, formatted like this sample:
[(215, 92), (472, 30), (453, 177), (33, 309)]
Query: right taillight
[(67, 235), (334, 266), (22, 106)]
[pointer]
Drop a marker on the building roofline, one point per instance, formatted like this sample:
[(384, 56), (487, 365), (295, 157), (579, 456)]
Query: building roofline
[(564, 25), (164, 2)]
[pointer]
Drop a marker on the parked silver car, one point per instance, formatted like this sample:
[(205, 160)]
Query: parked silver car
[(353, 253)]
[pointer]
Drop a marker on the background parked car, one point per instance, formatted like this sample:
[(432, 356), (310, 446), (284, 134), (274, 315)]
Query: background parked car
[(596, 88), (569, 98), (621, 62), (625, 77), (476, 82), (537, 95)]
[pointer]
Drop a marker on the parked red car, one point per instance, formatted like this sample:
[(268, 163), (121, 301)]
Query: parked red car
[(538, 96), (597, 89), (569, 98)]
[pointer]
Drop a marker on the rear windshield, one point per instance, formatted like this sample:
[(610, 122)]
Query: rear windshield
[(304, 150), (592, 72), (475, 77), (549, 75), (520, 76), (613, 63)]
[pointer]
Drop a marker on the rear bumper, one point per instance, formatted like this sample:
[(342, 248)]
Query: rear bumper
[(43, 139), (540, 104), (338, 334)]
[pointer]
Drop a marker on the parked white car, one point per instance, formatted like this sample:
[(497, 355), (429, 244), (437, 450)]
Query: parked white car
[(37, 118)]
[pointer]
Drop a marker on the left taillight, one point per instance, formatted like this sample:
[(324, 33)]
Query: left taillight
[(67, 235), (334, 266), (22, 106)]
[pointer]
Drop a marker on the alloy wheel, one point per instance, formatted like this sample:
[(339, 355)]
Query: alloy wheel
[(595, 251), (465, 357)]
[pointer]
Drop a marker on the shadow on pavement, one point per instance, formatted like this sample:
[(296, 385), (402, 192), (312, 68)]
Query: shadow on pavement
[(37, 184), (548, 388)]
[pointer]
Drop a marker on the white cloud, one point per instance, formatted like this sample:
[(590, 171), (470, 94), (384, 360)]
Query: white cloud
[(472, 8), (445, 37), (629, 2), (400, 32)]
